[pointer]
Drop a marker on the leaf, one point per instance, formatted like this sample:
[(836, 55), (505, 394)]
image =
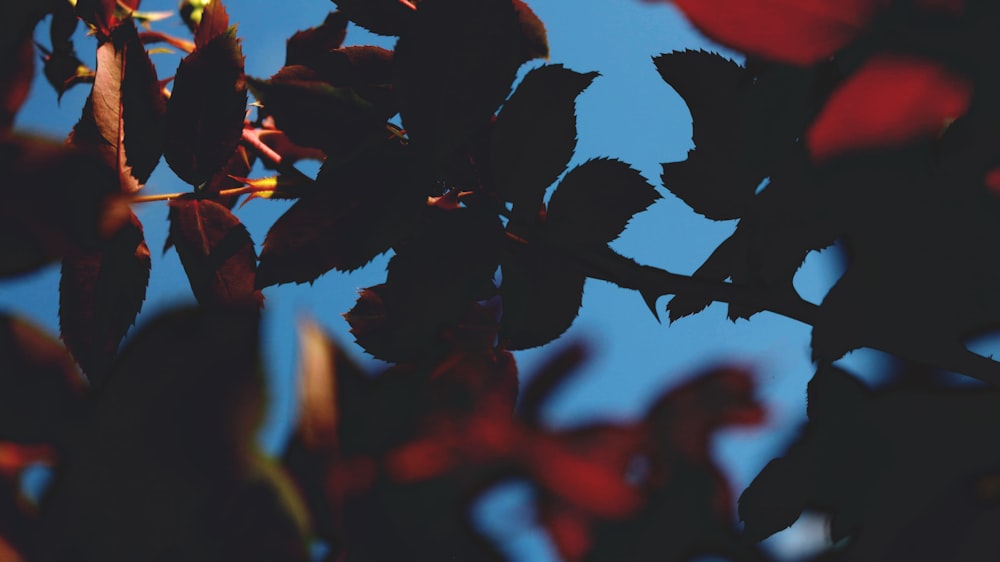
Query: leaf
[(304, 46), (70, 207), (356, 212), (100, 14), (889, 101), (453, 67), (128, 107), (213, 23), (800, 32), (41, 391), (542, 292), (433, 281), (100, 294), (535, 133), (594, 202), (534, 39), (17, 66), (548, 379), (216, 252), (213, 494), (206, 110), (382, 17), (718, 179)]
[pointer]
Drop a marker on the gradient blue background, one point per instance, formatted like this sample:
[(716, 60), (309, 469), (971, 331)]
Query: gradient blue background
[(628, 113)]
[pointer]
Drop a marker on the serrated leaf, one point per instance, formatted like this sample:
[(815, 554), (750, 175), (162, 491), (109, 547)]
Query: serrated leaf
[(382, 17), (430, 285), (594, 202), (534, 39), (41, 391), (453, 67), (214, 22), (356, 212), (308, 44), (718, 179), (71, 206), (789, 31), (100, 294), (206, 109), (889, 101), (128, 106), (535, 134), (216, 252), (542, 293)]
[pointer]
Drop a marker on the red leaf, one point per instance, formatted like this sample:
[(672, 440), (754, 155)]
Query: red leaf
[(534, 39), (216, 252), (100, 294), (798, 32), (214, 22), (128, 106), (206, 110), (17, 68), (889, 101), (310, 43)]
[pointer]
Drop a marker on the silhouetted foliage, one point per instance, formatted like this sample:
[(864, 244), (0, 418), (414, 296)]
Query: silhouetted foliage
[(869, 122)]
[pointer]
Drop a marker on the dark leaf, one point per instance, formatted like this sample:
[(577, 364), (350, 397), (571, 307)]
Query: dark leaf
[(64, 70), (383, 17), (214, 496), (356, 212), (889, 101), (100, 14), (213, 23), (594, 202), (41, 391), (547, 381), (542, 292), (100, 294), (787, 31), (453, 68), (17, 66), (534, 39), (71, 206), (216, 251), (717, 179), (128, 106), (535, 133), (308, 44), (206, 110)]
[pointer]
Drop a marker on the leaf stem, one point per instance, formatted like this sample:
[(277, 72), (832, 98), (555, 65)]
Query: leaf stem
[(245, 190), (251, 138)]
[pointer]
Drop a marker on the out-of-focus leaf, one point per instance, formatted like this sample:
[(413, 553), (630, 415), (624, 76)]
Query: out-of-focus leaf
[(216, 252), (105, 15), (383, 17), (71, 206), (887, 102), (100, 294), (453, 68), (356, 212), (213, 23), (206, 110), (41, 391), (595, 201), (548, 379), (790, 31), (534, 39), (63, 69), (308, 44), (17, 58), (535, 134), (173, 427), (128, 106)]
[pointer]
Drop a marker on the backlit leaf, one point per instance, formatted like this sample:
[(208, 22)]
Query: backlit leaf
[(100, 294), (542, 292), (304, 46), (535, 133), (887, 102), (355, 213), (206, 110), (798, 32), (128, 106), (213, 23), (216, 252), (453, 68), (71, 206), (534, 39), (383, 17)]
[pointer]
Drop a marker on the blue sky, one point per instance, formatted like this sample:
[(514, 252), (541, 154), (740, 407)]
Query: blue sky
[(628, 113)]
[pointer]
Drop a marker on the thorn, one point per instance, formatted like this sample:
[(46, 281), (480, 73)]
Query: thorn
[(650, 300)]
